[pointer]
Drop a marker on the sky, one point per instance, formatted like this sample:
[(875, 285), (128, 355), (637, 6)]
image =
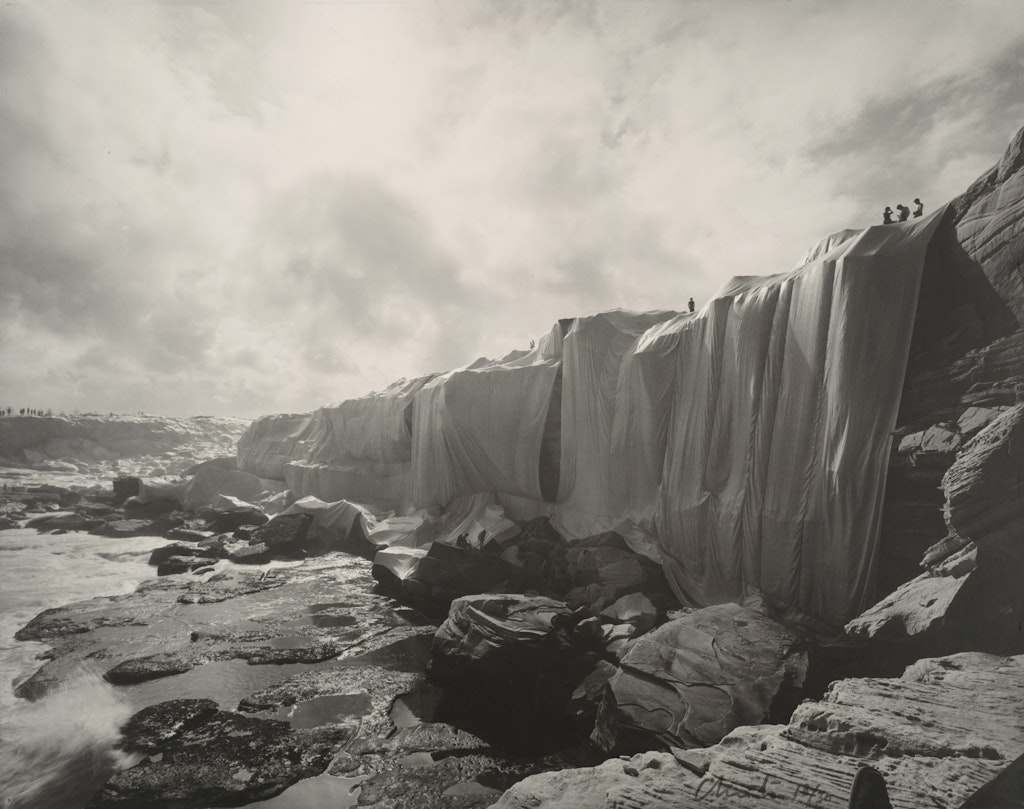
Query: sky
[(245, 207)]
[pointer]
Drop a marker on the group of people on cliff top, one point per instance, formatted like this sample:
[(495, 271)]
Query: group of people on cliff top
[(904, 212)]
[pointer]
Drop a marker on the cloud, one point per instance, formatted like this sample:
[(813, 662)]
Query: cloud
[(258, 207)]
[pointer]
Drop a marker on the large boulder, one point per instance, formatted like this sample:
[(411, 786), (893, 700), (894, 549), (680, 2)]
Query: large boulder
[(431, 580), (495, 635), (283, 533), (692, 680)]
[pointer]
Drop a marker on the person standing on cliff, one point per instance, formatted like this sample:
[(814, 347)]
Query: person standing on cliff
[(918, 207), (904, 212), (887, 216), (691, 305)]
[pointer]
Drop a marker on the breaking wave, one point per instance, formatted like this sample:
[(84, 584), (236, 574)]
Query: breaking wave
[(58, 751)]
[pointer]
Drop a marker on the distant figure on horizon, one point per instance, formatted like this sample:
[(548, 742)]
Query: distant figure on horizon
[(918, 207), (887, 216), (904, 212), (691, 305), (532, 344)]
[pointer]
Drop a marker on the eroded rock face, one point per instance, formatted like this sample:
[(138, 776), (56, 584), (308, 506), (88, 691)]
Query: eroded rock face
[(970, 596), (914, 730), (196, 755), (691, 681)]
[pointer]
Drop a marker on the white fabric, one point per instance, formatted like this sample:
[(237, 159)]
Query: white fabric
[(333, 522), (750, 439), (786, 392), (480, 429), (272, 441), (592, 358)]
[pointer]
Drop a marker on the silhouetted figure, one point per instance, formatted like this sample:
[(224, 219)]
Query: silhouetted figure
[(691, 304), (887, 216), (868, 790), (904, 212), (918, 207), (462, 541), (532, 344)]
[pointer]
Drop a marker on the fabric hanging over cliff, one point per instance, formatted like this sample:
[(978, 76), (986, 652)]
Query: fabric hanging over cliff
[(359, 449), (593, 354), (480, 428), (786, 390)]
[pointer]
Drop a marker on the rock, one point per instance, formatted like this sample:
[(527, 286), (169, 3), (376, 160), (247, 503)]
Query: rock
[(635, 609), (187, 535), (494, 635), (226, 585), (203, 757), (985, 487), (283, 533), (223, 522), (177, 549), (693, 680), (919, 608), (914, 730), (974, 419), (971, 599), (125, 487), (940, 439), (445, 572), (250, 554), (150, 667), (65, 522), (174, 565), (124, 528)]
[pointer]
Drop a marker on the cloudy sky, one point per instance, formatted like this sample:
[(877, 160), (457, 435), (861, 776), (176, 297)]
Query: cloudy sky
[(245, 207)]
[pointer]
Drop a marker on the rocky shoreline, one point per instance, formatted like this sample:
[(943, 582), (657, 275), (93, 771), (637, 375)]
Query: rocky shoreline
[(481, 660), (578, 657)]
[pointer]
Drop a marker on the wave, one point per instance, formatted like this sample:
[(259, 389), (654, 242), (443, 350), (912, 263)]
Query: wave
[(55, 753)]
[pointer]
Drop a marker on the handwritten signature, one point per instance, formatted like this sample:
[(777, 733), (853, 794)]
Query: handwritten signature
[(715, 786)]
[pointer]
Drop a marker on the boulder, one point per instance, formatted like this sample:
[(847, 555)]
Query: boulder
[(231, 518), (165, 552), (975, 419), (125, 487), (173, 565), (692, 680), (283, 533), (197, 755), (125, 528), (431, 580), (151, 667), (250, 554), (65, 522), (495, 636)]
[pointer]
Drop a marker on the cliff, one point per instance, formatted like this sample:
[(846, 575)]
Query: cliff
[(753, 439), (74, 441)]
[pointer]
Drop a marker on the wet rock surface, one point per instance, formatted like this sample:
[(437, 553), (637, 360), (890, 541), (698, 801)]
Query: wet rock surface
[(196, 755)]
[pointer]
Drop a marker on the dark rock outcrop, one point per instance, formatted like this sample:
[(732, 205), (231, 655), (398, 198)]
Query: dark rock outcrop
[(197, 755)]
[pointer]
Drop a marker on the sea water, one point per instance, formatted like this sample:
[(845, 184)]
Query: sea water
[(57, 751)]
